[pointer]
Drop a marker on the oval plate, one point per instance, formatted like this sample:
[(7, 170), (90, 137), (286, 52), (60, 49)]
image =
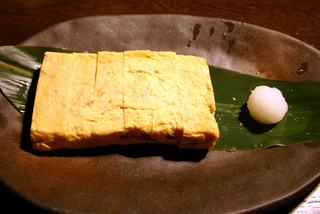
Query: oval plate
[(159, 178)]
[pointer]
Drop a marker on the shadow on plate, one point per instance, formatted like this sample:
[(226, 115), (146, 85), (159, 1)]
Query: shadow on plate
[(168, 152), (251, 124)]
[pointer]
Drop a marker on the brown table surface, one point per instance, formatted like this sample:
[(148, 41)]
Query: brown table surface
[(21, 19)]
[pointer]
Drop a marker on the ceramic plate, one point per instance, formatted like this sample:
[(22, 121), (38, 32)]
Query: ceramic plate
[(159, 178)]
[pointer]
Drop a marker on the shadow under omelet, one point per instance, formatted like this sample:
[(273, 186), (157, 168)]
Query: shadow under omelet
[(167, 152), (26, 143)]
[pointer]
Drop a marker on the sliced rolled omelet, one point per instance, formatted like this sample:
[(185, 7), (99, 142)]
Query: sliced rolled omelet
[(91, 100)]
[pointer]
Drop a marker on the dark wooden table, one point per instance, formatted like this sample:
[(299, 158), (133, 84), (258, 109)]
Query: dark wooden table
[(21, 19)]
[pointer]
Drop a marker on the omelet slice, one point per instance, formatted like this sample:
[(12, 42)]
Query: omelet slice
[(151, 97), (109, 99), (51, 101)]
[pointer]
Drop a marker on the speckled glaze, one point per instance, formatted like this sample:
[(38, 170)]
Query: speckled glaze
[(161, 178)]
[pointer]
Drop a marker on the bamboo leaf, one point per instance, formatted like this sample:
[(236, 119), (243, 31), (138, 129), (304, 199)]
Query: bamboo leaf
[(238, 131)]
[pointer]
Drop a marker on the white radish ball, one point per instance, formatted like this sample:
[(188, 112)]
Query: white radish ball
[(267, 105)]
